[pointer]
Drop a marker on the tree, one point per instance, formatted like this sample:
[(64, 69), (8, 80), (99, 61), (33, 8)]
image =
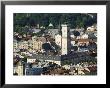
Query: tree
[(44, 19), (24, 59), (76, 33), (46, 46)]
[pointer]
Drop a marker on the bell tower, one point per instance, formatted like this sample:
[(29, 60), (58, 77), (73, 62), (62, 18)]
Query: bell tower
[(65, 40)]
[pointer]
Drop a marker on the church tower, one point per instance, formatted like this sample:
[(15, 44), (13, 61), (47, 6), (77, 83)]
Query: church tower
[(65, 46)]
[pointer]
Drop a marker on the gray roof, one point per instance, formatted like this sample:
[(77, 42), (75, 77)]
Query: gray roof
[(53, 31), (72, 30), (45, 57), (36, 30)]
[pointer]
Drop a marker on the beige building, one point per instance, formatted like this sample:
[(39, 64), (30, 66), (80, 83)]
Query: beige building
[(23, 45), (37, 43), (83, 41), (15, 45), (19, 69), (34, 44)]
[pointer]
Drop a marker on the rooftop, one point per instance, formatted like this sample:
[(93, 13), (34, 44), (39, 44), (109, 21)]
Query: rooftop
[(45, 57)]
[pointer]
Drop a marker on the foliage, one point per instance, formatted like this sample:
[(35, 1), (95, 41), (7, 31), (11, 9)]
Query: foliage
[(24, 59), (76, 33), (46, 46), (44, 19)]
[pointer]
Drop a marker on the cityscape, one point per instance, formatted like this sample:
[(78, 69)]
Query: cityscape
[(55, 44)]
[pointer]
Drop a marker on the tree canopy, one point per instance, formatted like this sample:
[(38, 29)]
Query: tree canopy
[(44, 19)]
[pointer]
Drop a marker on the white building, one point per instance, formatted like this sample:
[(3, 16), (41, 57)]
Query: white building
[(72, 36), (84, 36), (92, 28), (54, 61), (58, 39), (67, 67), (65, 46), (72, 43), (31, 60)]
